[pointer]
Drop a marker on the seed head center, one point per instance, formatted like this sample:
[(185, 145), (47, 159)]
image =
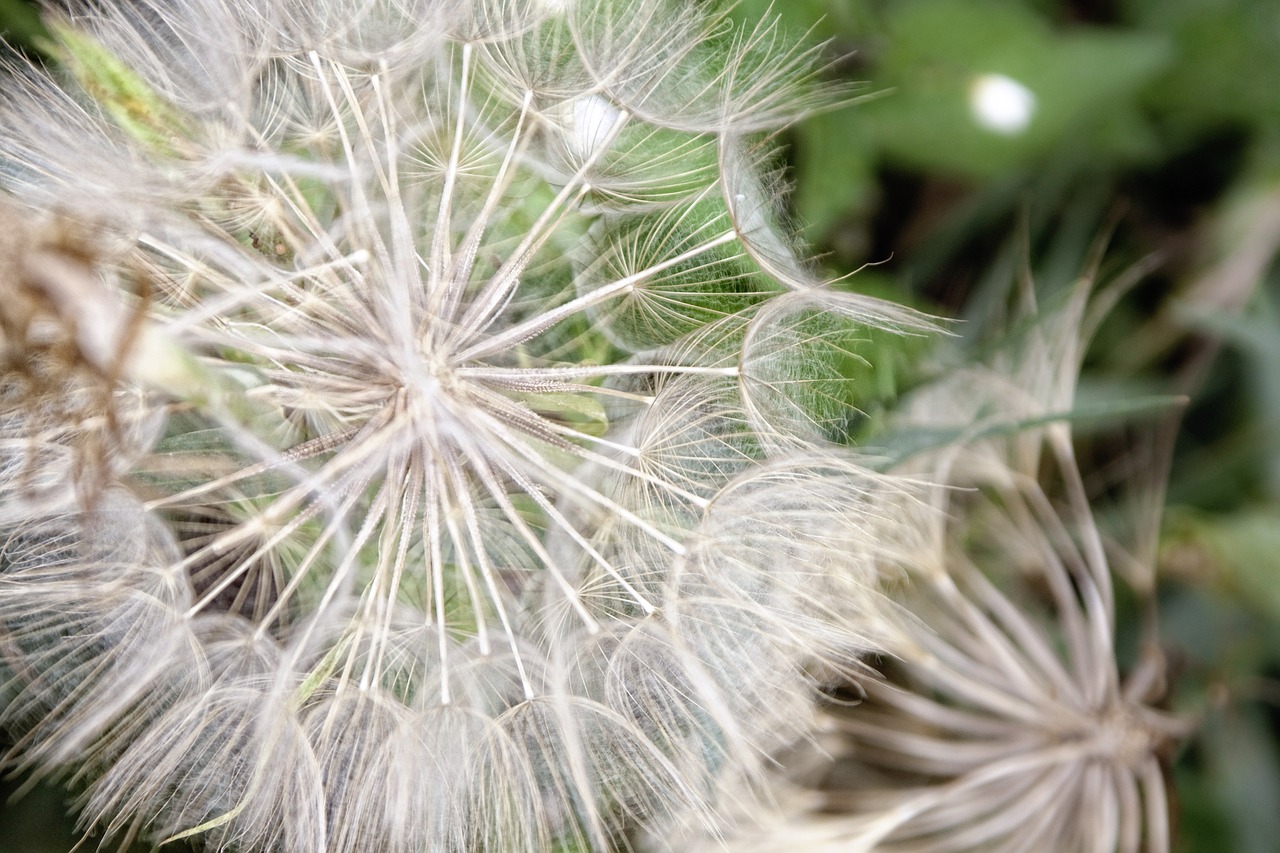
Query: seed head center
[(432, 389)]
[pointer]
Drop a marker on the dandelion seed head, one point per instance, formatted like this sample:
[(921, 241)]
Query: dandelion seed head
[(452, 393)]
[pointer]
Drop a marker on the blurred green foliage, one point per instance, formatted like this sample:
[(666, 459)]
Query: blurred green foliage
[(19, 23), (1156, 126)]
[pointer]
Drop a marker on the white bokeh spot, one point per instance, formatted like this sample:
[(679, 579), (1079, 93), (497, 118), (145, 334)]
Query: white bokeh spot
[(1001, 104)]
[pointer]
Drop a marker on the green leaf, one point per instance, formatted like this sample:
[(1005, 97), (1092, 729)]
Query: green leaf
[(583, 411), (835, 169), (321, 673), (939, 53), (19, 23), (1228, 62), (1239, 552), (137, 108)]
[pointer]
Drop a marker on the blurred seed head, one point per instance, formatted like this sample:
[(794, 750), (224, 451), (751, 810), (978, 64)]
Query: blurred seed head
[(1001, 719)]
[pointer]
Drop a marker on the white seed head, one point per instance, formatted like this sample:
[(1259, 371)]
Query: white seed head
[(444, 435)]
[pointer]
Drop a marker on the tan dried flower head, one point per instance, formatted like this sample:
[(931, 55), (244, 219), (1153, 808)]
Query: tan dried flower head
[(65, 339)]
